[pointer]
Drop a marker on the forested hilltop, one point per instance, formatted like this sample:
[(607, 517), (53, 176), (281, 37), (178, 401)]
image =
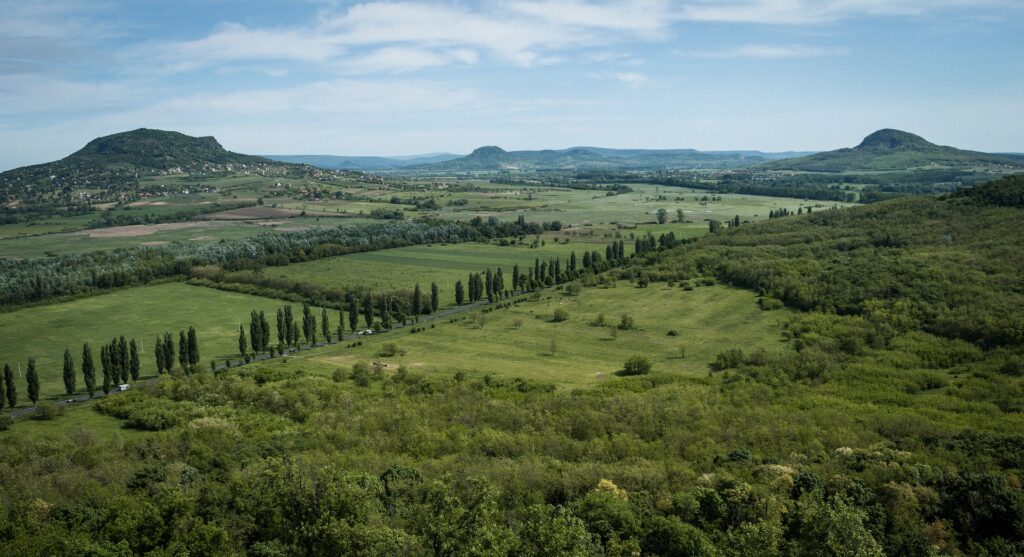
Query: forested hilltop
[(886, 421)]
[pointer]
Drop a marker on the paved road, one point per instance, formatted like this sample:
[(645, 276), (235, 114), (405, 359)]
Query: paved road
[(439, 314)]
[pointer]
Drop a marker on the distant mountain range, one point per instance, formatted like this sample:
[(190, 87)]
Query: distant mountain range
[(895, 150), (333, 162), (493, 158)]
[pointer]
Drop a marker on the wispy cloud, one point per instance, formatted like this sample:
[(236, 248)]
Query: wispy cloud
[(769, 51), (803, 12)]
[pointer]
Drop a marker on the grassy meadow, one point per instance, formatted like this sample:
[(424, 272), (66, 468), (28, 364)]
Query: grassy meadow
[(518, 341)]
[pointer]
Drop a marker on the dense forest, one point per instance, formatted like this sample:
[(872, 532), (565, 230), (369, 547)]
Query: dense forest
[(888, 424)]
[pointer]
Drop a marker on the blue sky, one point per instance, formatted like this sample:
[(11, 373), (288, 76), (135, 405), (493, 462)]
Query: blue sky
[(389, 78)]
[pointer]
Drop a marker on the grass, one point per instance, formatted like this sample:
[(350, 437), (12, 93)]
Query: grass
[(141, 313), (443, 264), (517, 342)]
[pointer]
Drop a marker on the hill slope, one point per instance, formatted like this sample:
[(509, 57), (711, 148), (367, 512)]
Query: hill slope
[(117, 161), (491, 158), (894, 150)]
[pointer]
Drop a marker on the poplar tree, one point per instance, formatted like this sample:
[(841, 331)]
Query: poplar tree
[(325, 327), (3, 389), (158, 352), (368, 309), (353, 311), (242, 349), (133, 361), (12, 391), (69, 373), (183, 350), (460, 294), (122, 356), (289, 328), (295, 333), (105, 362), (88, 369), (32, 377), (255, 332), (168, 352), (435, 297), (280, 326), (264, 333), (193, 349)]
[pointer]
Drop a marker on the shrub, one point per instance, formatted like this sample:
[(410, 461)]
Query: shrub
[(390, 350), (731, 358), (361, 374), (598, 321), (672, 333), (767, 303), (560, 315), (637, 365), (47, 410), (627, 323), (6, 421)]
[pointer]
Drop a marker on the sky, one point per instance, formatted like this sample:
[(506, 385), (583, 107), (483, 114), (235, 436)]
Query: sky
[(409, 77)]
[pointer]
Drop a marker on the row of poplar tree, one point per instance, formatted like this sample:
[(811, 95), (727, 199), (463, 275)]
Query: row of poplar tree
[(119, 361)]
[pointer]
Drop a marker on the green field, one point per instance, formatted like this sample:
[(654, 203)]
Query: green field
[(443, 264), (517, 342), (141, 313)]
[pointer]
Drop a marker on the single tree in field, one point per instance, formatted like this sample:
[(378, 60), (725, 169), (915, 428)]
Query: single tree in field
[(243, 349), (158, 352), (69, 373), (679, 216), (435, 297), (460, 294), (133, 360), (325, 327), (193, 349), (12, 391), (417, 302), (280, 326), (183, 350), (89, 369), (105, 363), (32, 377)]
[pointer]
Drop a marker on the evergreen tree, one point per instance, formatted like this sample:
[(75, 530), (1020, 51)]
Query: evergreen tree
[(460, 295), (12, 391), (183, 351), (516, 278), (489, 285), (280, 326), (105, 362), (193, 349), (32, 377), (499, 283), (133, 360), (295, 333), (353, 311), (242, 348), (307, 326), (89, 369), (417, 302), (69, 373), (435, 297), (325, 327)]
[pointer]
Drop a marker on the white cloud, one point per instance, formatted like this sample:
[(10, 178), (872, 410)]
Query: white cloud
[(803, 12), (633, 79), (772, 51)]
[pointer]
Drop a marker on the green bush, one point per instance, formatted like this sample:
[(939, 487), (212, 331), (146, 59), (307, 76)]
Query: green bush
[(560, 315), (637, 365), (47, 410)]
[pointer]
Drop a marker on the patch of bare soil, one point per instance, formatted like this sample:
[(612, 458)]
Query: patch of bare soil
[(139, 229)]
